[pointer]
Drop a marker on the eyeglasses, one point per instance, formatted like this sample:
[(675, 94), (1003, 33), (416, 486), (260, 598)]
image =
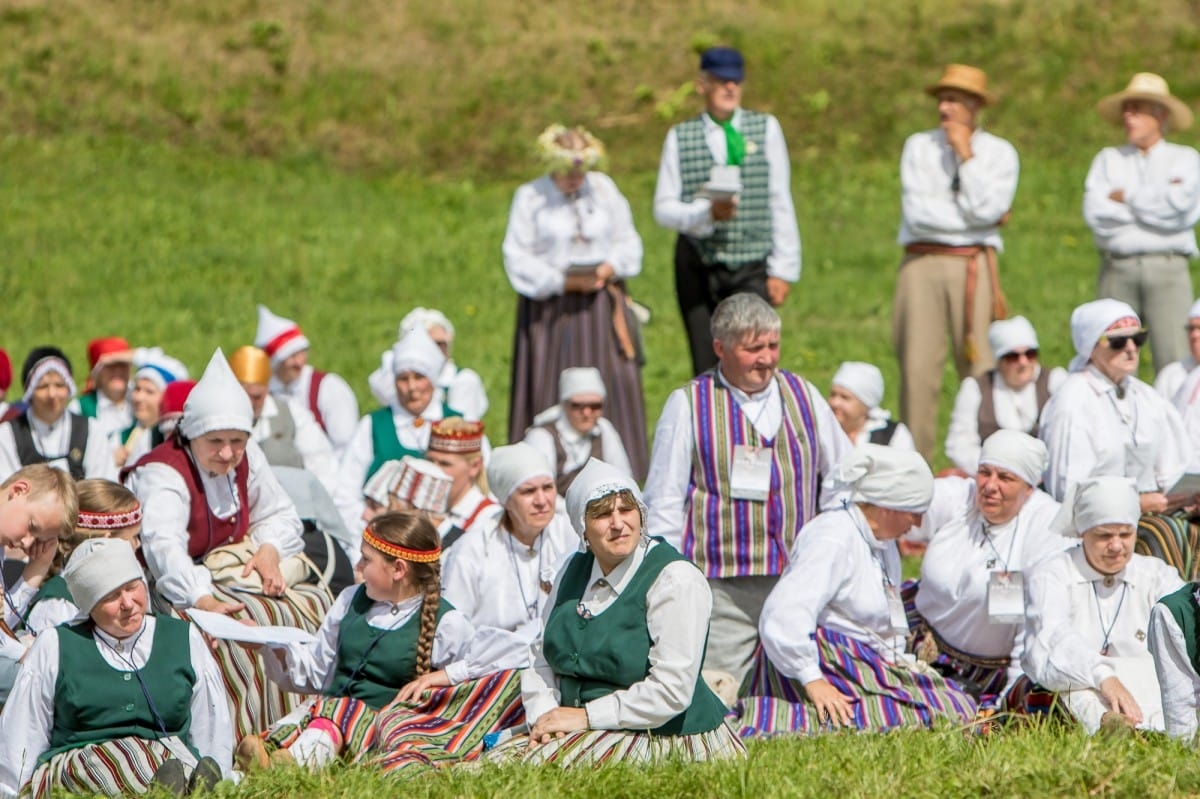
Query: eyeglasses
[(1013, 357), (586, 406), (1118, 343)]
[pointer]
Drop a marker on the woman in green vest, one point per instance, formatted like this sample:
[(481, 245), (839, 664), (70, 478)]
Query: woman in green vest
[(388, 639), (617, 676), (117, 702)]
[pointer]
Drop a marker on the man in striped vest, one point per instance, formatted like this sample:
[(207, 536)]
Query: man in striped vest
[(724, 183), (740, 458)]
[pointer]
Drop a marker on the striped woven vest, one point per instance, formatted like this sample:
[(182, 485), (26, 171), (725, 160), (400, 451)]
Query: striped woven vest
[(728, 537), (746, 237)]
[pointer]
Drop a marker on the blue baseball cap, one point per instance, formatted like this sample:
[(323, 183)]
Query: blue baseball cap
[(723, 62)]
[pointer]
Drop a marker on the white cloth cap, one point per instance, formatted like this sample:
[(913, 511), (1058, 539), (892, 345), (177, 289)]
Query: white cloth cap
[(423, 485), (514, 464), (44, 367), (218, 402), (98, 567), (1088, 323), (278, 337), (886, 477), (1010, 335), (380, 485), (416, 352), (579, 380), (863, 380), (152, 364), (426, 318), (597, 480), (1016, 452), (1095, 501)]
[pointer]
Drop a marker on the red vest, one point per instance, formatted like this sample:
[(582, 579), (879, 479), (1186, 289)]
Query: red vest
[(206, 531)]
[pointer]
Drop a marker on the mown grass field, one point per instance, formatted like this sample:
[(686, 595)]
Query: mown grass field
[(165, 166)]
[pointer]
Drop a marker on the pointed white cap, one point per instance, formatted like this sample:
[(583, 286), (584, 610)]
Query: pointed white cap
[(218, 402), (278, 337), (416, 352)]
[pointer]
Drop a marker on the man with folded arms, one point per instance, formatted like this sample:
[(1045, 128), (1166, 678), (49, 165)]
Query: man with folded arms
[(1142, 201), (957, 186)]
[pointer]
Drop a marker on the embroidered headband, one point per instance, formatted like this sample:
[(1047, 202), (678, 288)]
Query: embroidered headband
[(397, 551), (92, 520)]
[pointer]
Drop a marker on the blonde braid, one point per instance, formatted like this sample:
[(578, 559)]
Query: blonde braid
[(431, 584)]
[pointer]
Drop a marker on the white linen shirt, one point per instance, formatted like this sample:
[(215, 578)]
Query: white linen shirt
[(695, 218), (678, 607), (1178, 681), (1089, 432), (462, 510), (314, 447), (335, 401), (1162, 199), (166, 510), (1186, 400), (901, 437), (549, 232), (953, 593), (1171, 377), (837, 577), (28, 717), (670, 471), (933, 212), (1015, 410), (578, 446), (55, 439)]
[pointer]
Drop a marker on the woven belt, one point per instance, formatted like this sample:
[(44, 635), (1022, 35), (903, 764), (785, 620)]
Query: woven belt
[(969, 254)]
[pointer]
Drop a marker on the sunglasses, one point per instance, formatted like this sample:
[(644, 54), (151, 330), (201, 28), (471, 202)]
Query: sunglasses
[(1013, 357), (586, 406), (1120, 342)]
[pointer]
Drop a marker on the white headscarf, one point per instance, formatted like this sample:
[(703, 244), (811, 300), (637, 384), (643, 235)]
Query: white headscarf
[(1016, 452), (1096, 501), (580, 380), (218, 402), (416, 352), (98, 567), (426, 318), (1088, 323), (1194, 311), (886, 477), (1010, 335), (514, 464), (863, 380), (44, 367), (598, 480)]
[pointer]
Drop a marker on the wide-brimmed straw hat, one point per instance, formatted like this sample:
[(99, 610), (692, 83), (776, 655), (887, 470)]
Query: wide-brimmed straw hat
[(1150, 87), (964, 78)]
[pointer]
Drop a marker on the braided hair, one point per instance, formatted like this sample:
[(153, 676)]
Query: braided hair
[(413, 530)]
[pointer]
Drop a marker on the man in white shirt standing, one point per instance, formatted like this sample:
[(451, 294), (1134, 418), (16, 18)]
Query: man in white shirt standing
[(957, 186), (724, 183), (1142, 201)]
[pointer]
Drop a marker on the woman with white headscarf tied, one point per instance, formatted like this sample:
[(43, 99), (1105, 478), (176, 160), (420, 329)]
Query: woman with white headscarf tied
[(985, 533), (854, 397), (833, 629), (617, 674), (1089, 609)]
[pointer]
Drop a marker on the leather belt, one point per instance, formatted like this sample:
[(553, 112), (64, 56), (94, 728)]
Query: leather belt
[(969, 253)]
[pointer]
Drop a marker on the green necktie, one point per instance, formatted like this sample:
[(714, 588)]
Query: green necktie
[(735, 144)]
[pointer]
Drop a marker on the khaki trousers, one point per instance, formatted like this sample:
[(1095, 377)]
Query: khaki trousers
[(929, 305), (733, 628), (1159, 288)]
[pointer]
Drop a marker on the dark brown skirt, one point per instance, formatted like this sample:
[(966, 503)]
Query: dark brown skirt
[(575, 330)]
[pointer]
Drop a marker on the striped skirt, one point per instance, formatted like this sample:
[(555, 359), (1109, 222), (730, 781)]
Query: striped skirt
[(353, 718), (255, 703), (594, 748), (885, 695), (116, 767), (576, 330), (1170, 537), (446, 725)]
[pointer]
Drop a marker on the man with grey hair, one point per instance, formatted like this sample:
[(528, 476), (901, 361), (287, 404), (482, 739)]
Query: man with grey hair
[(739, 457), (1142, 201)]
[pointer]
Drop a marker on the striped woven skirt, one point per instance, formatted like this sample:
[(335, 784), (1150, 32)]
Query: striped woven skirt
[(447, 725), (116, 767), (1170, 537), (594, 748), (353, 718), (255, 703), (576, 330), (885, 695)]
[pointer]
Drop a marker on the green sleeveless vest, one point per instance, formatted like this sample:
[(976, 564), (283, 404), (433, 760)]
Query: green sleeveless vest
[(88, 405), (386, 444), (611, 651), (1184, 609), (373, 664), (93, 702), (54, 588)]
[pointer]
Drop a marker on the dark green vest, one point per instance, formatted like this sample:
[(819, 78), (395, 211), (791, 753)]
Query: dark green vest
[(54, 588), (374, 664), (611, 651), (384, 442), (89, 405), (1184, 609), (93, 702)]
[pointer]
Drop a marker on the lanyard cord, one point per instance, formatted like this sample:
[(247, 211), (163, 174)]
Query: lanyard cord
[(530, 607), (1100, 614), (158, 719), (985, 532)]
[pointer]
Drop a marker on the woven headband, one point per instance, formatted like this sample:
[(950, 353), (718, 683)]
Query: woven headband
[(90, 520), (397, 551)]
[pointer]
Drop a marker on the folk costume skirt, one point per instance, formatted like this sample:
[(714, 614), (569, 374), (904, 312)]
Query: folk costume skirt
[(118, 767), (595, 748), (576, 330), (885, 695)]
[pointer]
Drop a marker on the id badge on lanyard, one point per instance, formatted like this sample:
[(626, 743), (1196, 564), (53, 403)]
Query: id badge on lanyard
[(1006, 597), (750, 475), (896, 612)]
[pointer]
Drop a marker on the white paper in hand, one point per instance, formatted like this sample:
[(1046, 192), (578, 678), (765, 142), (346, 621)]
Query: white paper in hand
[(218, 625)]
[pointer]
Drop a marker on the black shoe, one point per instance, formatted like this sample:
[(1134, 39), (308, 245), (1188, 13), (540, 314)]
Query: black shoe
[(205, 776), (171, 776)]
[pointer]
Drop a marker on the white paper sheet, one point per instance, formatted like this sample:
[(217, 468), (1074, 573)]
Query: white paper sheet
[(218, 625)]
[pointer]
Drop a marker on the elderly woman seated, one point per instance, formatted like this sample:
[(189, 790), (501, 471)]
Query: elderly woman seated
[(985, 533), (854, 399), (833, 629), (119, 701), (617, 674), (1089, 609)]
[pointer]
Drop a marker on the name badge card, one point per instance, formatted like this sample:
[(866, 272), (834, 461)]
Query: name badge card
[(1006, 598), (896, 612), (750, 477)]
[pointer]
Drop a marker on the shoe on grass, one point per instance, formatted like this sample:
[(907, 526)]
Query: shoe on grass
[(205, 776), (251, 754), (282, 758), (171, 776)]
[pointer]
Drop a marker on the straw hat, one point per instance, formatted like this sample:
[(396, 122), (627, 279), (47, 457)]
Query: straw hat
[(1151, 87), (964, 78)]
